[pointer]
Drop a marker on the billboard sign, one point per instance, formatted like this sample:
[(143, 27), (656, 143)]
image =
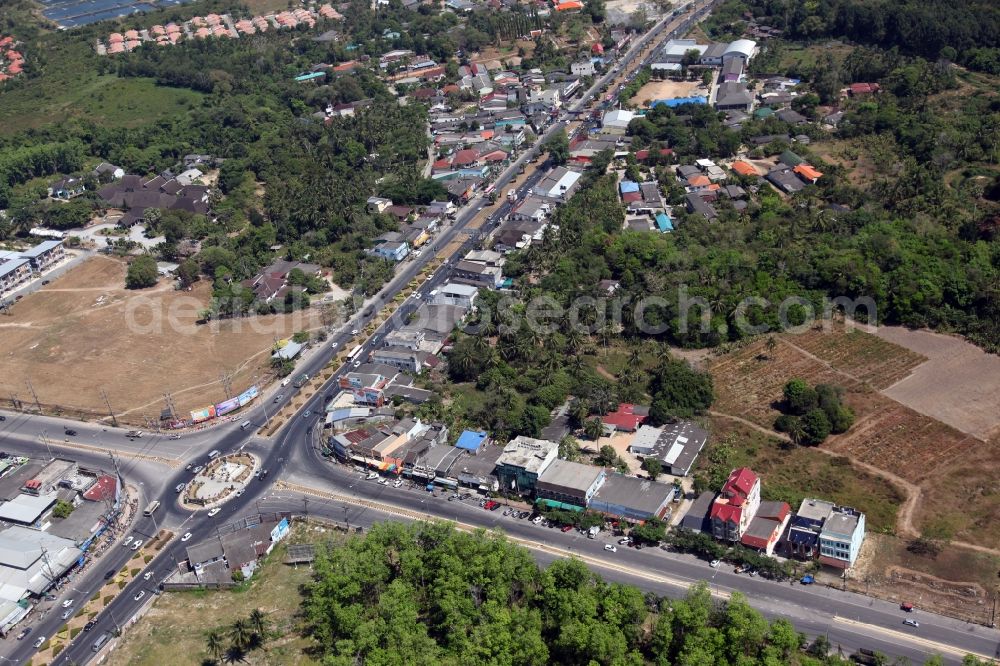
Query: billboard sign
[(227, 406), (248, 395), (279, 531), (203, 414)]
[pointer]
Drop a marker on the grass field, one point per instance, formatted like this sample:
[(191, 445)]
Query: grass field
[(106, 100), (173, 632)]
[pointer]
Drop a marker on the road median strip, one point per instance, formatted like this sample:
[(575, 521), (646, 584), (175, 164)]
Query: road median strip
[(122, 453)]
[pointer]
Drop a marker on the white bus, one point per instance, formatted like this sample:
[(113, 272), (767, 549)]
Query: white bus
[(355, 353), (153, 506)]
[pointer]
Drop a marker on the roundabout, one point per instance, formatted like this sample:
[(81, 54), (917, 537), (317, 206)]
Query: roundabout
[(222, 479)]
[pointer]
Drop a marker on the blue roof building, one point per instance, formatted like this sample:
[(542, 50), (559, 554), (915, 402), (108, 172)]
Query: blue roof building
[(679, 101), (310, 77), (664, 223), (472, 440), (627, 186)]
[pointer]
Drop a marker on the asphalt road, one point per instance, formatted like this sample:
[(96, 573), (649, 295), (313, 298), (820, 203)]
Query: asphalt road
[(155, 464)]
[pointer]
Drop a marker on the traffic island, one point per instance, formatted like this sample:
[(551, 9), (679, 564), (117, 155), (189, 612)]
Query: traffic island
[(220, 480)]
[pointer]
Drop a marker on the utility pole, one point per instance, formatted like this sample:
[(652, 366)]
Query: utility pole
[(227, 383), (45, 440), (111, 412), (14, 402), (33, 394), (305, 505), (171, 407)]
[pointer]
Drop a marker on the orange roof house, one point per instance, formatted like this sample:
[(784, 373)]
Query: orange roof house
[(569, 5), (744, 168), (807, 173)]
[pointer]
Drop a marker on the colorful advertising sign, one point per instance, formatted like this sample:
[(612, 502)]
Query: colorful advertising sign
[(227, 406), (248, 395), (204, 414), (280, 530)]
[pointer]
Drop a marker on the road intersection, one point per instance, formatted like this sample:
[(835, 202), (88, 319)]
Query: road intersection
[(301, 480)]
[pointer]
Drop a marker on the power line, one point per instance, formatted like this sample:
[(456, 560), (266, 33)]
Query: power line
[(33, 394), (111, 412)]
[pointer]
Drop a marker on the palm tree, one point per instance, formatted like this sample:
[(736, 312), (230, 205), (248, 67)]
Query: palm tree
[(574, 339), (258, 622), (215, 644), (635, 358), (241, 634), (593, 428)]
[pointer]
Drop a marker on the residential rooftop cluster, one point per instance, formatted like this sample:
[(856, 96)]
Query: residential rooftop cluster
[(17, 267), (214, 25), (40, 545), (11, 59), (818, 530)]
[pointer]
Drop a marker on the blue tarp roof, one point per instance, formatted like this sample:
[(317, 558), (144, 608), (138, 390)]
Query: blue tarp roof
[(627, 186), (663, 222), (471, 440), (678, 101)]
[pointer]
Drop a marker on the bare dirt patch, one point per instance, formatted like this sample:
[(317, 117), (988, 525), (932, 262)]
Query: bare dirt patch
[(955, 582), (655, 90), (86, 332), (959, 384)]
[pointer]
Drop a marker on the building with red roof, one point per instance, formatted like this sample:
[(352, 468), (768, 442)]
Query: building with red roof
[(104, 489), (628, 417), (736, 505), (466, 158), (767, 526), (643, 155), (744, 168), (14, 67), (860, 89), (807, 173)]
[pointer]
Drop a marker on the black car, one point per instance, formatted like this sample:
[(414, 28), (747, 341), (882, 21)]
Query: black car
[(70, 432), (2, 417), (109, 575), (90, 625)]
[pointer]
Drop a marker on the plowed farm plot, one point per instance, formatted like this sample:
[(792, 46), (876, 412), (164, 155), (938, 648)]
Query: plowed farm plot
[(956, 473), (748, 381), (870, 359)]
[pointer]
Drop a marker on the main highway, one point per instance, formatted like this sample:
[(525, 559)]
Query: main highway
[(302, 481)]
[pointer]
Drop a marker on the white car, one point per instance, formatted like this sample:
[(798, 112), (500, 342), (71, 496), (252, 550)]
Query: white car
[(397, 483), (68, 603), (186, 537), (715, 563), (214, 512), (609, 547), (371, 476), (140, 595), (239, 492), (417, 295), (38, 642), (536, 520), (354, 331), (128, 541), (147, 575), (137, 545), (333, 346)]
